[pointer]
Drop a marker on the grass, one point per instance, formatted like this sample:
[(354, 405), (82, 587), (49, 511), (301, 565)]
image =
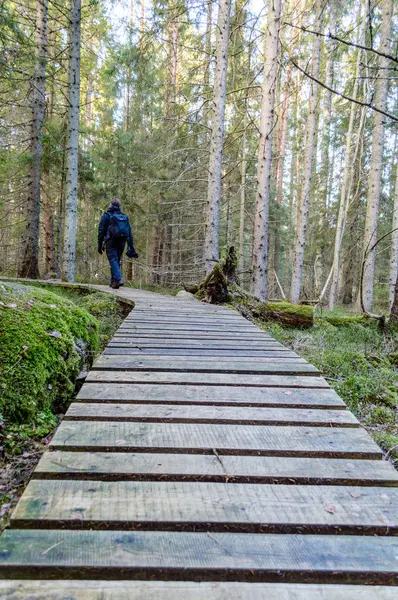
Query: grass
[(360, 363)]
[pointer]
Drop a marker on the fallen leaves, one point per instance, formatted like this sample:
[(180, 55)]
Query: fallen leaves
[(330, 508)]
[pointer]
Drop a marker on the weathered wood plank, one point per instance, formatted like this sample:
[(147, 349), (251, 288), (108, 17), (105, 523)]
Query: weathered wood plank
[(187, 590), (192, 320), (241, 330), (204, 506), (331, 442), (183, 358), (177, 364), (198, 352), (197, 334), (201, 556), (209, 379), (271, 397), (210, 414), (111, 466), (156, 342)]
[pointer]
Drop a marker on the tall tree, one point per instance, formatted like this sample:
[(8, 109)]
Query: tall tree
[(260, 235), (69, 256), (375, 169), (304, 199), (394, 246), (211, 245), (30, 261), (348, 170)]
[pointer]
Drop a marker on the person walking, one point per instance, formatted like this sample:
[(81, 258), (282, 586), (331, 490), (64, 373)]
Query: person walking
[(114, 231)]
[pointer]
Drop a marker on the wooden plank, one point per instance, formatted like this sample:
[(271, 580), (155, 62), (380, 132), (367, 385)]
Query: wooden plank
[(210, 379), (195, 334), (324, 442), (187, 590), (111, 466), (201, 556), (241, 330), (203, 320), (170, 357), (278, 397), (207, 506), (131, 340), (201, 336), (198, 352), (270, 366), (210, 414)]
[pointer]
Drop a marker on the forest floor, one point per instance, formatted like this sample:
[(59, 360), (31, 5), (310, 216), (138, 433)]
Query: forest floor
[(49, 335), (361, 363)]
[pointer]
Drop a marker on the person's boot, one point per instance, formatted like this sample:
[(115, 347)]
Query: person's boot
[(115, 285)]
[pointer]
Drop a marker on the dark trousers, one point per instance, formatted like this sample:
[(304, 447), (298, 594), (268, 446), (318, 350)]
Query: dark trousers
[(114, 252)]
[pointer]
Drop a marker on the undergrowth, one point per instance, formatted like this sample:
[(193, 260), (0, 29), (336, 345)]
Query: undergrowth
[(360, 363)]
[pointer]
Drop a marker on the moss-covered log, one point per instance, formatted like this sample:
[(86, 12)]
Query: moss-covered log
[(292, 315)]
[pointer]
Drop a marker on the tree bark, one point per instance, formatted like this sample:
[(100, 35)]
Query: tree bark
[(69, 255), (211, 245), (346, 185), (304, 200), (260, 235), (375, 171), (394, 247), (242, 200), (30, 260), (394, 306)]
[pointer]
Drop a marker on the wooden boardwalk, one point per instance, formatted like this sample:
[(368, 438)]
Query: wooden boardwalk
[(204, 460)]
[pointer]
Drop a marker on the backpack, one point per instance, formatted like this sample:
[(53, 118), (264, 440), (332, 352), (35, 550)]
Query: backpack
[(119, 226)]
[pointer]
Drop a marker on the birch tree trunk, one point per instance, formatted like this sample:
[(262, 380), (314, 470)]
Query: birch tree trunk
[(211, 246), (349, 164), (69, 255), (304, 200), (394, 246), (375, 171), (30, 260), (260, 235)]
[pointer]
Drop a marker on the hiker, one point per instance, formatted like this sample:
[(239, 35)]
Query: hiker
[(114, 231)]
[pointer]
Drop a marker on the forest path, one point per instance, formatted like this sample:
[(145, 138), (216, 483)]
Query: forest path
[(203, 459)]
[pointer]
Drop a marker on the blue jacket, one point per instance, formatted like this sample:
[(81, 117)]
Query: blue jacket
[(104, 226)]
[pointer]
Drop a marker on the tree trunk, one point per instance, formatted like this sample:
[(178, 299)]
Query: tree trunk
[(260, 235), (30, 261), (349, 164), (242, 200), (394, 246), (69, 256), (304, 200), (375, 171), (211, 246), (394, 306)]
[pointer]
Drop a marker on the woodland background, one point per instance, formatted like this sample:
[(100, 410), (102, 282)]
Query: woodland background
[(191, 107)]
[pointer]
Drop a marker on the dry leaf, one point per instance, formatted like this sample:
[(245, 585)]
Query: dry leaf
[(288, 393), (11, 305), (330, 508), (55, 334)]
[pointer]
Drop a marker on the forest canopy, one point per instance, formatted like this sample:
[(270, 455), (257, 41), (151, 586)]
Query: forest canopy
[(268, 127)]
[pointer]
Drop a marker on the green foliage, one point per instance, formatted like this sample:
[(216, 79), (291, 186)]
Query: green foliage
[(389, 443), (381, 415), (45, 341), (355, 359)]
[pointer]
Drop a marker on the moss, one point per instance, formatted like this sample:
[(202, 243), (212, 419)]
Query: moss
[(45, 339), (108, 310), (304, 310), (344, 321)]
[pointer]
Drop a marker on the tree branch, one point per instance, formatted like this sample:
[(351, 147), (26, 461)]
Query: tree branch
[(360, 102), (336, 38)]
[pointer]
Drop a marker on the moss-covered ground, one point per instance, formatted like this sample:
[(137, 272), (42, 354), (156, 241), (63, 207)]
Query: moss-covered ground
[(48, 336), (360, 362)]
